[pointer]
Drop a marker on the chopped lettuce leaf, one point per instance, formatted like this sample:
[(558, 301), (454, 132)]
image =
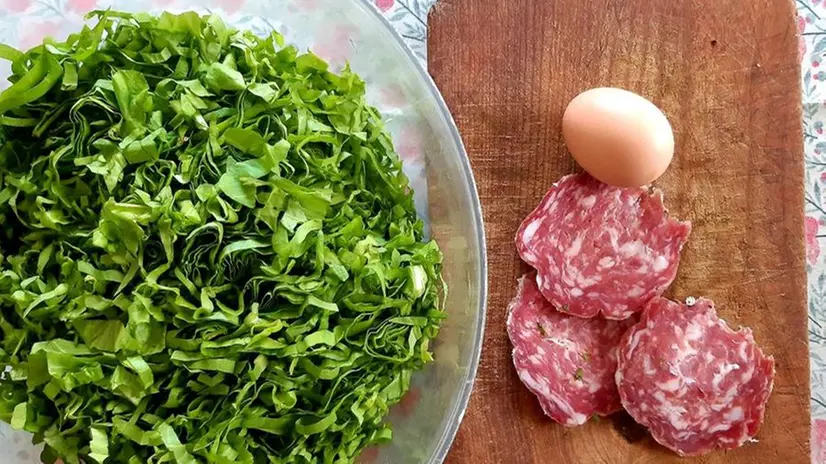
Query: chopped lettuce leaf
[(210, 251)]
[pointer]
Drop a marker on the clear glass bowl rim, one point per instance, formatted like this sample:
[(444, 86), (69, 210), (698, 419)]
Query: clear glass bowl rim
[(462, 397)]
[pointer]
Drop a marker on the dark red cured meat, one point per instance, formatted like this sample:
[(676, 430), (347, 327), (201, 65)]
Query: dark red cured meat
[(567, 362), (601, 249), (693, 381)]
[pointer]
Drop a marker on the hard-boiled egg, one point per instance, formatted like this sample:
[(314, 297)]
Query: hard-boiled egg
[(618, 137)]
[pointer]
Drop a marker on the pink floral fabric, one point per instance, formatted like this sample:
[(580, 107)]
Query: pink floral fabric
[(818, 441), (811, 24), (385, 5), (81, 6)]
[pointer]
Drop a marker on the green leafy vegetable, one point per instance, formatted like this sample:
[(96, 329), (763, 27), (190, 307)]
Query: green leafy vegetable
[(210, 254), (578, 374)]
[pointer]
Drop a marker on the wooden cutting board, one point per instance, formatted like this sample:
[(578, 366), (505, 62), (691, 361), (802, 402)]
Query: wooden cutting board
[(726, 74)]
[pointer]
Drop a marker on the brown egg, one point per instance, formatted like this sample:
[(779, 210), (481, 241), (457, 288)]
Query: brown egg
[(618, 136)]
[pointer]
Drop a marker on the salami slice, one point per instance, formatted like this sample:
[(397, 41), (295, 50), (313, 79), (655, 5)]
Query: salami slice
[(567, 362), (601, 249), (693, 381)]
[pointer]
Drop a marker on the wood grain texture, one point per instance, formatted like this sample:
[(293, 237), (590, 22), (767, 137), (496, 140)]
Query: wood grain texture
[(726, 74)]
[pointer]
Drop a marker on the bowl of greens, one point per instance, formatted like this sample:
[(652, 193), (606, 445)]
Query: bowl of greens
[(233, 232)]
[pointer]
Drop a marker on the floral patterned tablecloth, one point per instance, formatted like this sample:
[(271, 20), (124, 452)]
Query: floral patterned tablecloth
[(409, 19), (811, 22)]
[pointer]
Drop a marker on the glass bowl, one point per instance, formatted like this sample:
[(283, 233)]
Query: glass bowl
[(426, 138)]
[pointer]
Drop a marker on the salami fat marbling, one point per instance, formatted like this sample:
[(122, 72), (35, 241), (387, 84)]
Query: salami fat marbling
[(600, 249), (695, 383), (567, 362)]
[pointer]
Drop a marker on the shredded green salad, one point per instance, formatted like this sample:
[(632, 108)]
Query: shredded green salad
[(209, 251)]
